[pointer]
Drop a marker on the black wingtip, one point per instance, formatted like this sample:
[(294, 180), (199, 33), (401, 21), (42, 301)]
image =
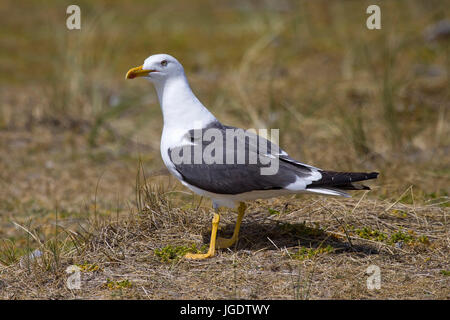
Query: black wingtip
[(373, 175), (343, 180)]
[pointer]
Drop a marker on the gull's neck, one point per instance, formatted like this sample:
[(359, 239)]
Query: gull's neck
[(179, 105)]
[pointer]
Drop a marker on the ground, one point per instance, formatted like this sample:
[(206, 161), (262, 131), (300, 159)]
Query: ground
[(82, 183)]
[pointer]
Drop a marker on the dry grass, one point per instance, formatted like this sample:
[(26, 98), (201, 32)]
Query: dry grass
[(123, 259), (73, 134)]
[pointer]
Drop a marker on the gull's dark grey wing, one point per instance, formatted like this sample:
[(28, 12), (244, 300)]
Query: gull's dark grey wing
[(225, 177)]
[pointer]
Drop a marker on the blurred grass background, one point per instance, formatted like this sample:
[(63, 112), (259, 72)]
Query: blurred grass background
[(72, 130)]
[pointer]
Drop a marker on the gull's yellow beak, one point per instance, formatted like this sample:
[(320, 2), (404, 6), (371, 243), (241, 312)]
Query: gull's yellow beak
[(137, 72)]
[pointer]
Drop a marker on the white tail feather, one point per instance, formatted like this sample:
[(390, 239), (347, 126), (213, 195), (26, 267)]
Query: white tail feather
[(330, 192)]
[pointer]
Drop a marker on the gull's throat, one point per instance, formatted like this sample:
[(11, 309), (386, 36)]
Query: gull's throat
[(179, 104)]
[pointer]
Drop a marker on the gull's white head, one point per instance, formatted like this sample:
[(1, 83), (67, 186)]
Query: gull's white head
[(157, 68), (174, 94)]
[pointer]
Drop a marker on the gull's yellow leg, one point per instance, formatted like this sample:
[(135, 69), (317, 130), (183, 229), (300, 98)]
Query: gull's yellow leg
[(212, 243), (223, 243)]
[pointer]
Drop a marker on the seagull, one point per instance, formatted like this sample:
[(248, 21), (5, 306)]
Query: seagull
[(228, 183)]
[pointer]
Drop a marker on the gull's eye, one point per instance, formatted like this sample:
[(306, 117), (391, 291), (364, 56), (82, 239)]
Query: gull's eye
[(164, 63)]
